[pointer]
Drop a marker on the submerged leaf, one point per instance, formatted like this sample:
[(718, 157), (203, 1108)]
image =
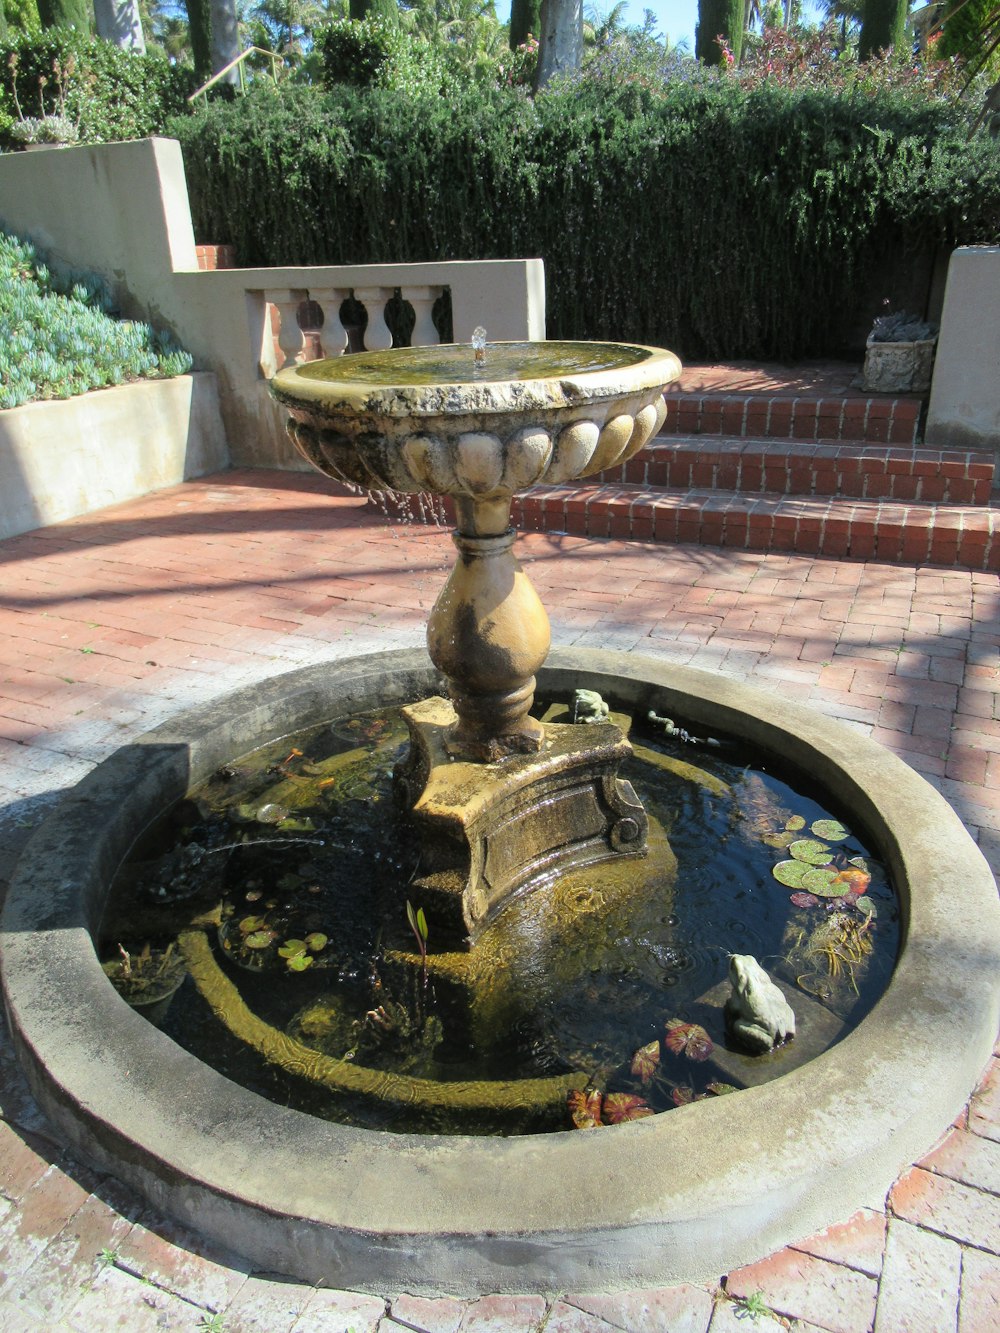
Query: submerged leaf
[(585, 1107), (778, 840), (720, 1089), (645, 1061), (688, 1039), (867, 905), (621, 1106), (805, 900), (684, 1096), (830, 829), (811, 851), (790, 873)]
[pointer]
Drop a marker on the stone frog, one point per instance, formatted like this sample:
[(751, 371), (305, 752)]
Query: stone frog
[(588, 706), (757, 1014)]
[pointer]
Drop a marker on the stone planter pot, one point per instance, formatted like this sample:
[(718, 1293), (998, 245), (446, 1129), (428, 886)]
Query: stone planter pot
[(898, 367)]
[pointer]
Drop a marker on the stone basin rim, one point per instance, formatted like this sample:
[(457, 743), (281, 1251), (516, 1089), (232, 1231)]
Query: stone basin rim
[(297, 387), (681, 1197)]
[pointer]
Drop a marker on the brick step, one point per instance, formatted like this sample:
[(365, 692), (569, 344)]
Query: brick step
[(803, 467), (967, 537), (877, 420)]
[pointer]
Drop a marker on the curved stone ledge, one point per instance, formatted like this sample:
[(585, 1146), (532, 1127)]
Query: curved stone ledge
[(682, 1196)]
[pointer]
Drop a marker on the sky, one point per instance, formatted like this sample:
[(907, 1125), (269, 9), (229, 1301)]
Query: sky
[(676, 18)]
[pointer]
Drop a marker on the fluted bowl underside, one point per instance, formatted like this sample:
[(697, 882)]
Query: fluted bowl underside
[(429, 419)]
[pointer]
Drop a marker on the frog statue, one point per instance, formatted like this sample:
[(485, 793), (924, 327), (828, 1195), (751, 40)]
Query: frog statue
[(757, 1014), (588, 706)]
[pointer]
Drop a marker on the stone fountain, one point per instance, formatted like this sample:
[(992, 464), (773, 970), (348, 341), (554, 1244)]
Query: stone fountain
[(676, 1197)]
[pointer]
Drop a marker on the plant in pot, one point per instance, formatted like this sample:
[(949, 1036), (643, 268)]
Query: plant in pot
[(899, 354), (147, 980)]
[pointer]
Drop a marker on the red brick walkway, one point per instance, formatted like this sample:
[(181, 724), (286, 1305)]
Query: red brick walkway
[(113, 622)]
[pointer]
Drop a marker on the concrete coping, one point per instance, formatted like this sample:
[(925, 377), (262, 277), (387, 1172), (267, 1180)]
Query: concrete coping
[(677, 1197)]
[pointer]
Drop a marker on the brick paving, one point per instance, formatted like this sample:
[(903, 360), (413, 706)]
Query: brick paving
[(111, 623)]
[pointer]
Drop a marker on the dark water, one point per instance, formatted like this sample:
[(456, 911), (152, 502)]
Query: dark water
[(290, 869)]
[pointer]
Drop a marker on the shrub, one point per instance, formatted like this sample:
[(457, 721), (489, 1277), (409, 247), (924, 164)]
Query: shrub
[(108, 93), (57, 340), (717, 218), (375, 53)]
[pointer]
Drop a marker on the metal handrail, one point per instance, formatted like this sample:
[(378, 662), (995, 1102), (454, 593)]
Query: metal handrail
[(237, 63)]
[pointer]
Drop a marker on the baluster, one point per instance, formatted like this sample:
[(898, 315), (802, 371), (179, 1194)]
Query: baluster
[(290, 337), (422, 300), (377, 335), (261, 333), (333, 335)]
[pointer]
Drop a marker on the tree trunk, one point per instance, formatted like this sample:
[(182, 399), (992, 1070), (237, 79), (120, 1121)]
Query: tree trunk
[(560, 41), (225, 37), (118, 21), (718, 18), (883, 25), (525, 19)]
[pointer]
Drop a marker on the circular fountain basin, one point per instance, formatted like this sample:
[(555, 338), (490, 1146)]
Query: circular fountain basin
[(682, 1196), (429, 419)]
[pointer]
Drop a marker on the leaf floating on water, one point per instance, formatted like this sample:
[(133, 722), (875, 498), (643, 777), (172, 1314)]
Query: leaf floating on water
[(316, 941), (779, 840), (645, 1061), (795, 823), (867, 905), (790, 873), (260, 939), (585, 1107), (830, 829), (805, 900), (858, 861), (688, 1039), (824, 882), (250, 924), (291, 948), (298, 962), (720, 1089), (621, 1106), (811, 851)]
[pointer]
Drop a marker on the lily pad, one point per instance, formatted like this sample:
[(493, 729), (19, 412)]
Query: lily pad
[(621, 1106), (795, 823), (811, 851), (805, 900), (645, 1061), (298, 962), (316, 941), (683, 1096), (830, 829), (858, 861), (778, 840), (292, 948), (250, 924), (824, 883), (867, 905), (720, 1089), (688, 1039), (259, 939), (790, 873), (585, 1107)]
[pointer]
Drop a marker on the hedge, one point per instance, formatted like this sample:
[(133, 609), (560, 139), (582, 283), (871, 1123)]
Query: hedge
[(713, 218)]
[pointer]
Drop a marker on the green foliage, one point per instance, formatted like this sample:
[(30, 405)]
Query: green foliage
[(966, 28), (57, 339), (525, 20), (680, 207), (22, 16), (78, 14), (883, 26), (719, 18), (386, 10), (377, 54), (106, 92), (199, 14)]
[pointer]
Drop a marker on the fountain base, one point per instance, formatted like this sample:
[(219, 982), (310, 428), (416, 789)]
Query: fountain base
[(487, 830)]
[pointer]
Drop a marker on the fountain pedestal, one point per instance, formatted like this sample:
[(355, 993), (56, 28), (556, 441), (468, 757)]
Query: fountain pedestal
[(486, 830)]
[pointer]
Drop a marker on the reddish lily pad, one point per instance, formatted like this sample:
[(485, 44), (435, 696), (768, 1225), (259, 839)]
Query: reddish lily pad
[(830, 829), (809, 850), (684, 1096), (805, 900), (688, 1039), (585, 1107), (621, 1106), (645, 1061)]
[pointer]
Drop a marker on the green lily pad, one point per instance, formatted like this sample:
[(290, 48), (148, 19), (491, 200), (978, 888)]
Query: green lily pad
[(867, 905), (790, 873), (316, 941), (299, 962), (858, 861), (795, 823), (250, 924), (259, 939), (808, 849), (830, 829), (292, 948), (823, 882)]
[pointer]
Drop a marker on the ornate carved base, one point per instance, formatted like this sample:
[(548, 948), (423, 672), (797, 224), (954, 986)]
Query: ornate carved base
[(488, 829)]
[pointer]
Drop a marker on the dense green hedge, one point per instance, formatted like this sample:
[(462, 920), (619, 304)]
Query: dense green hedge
[(107, 92), (720, 220)]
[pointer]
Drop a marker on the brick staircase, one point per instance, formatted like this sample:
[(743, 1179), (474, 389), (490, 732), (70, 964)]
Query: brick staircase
[(761, 469)]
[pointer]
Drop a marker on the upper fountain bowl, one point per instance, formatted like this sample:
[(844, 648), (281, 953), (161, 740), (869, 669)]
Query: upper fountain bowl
[(434, 419)]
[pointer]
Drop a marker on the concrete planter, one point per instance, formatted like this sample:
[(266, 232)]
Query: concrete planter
[(65, 458), (899, 367)]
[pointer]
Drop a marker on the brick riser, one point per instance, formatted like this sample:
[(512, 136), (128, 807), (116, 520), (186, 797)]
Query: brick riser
[(967, 537), (803, 468), (879, 420)]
